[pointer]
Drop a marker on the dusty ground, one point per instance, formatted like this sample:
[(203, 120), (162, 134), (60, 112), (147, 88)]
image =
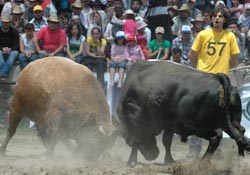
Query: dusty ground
[(24, 152)]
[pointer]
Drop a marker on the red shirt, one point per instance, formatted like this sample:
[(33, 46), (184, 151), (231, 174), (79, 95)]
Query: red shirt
[(51, 40)]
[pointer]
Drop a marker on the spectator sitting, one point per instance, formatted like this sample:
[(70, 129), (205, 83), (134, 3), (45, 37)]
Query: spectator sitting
[(198, 25), (173, 11), (27, 46), (159, 48), (118, 58), (77, 11), (95, 51), (28, 14), (129, 24), (240, 37), (182, 19), (184, 42), (76, 43), (39, 20), (9, 45), (176, 55), (112, 29), (142, 37), (117, 9), (52, 39), (97, 22), (8, 6), (133, 52), (18, 22)]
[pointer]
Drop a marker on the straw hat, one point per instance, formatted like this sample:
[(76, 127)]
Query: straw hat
[(53, 17), (77, 4), (5, 18), (184, 7), (198, 18), (174, 7), (17, 10), (141, 24)]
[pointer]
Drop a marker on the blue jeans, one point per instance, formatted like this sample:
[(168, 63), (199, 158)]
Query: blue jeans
[(24, 60), (79, 59), (7, 61), (61, 54), (99, 64)]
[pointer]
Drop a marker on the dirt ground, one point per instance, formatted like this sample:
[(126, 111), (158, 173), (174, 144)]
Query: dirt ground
[(23, 157)]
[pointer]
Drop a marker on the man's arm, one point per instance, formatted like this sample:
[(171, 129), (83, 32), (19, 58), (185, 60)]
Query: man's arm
[(193, 56), (234, 61)]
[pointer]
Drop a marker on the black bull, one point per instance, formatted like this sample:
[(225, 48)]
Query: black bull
[(164, 96)]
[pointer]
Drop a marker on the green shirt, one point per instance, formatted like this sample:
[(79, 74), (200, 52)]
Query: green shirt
[(153, 45)]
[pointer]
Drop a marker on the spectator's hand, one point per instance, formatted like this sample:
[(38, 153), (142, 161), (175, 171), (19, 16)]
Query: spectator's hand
[(28, 54), (43, 52), (6, 50), (159, 49), (72, 57), (51, 54)]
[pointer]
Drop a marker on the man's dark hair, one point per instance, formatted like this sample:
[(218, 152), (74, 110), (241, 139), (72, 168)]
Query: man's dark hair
[(176, 50), (135, 1), (29, 26), (224, 13)]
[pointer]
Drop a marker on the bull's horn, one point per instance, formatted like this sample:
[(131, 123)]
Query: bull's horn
[(100, 128)]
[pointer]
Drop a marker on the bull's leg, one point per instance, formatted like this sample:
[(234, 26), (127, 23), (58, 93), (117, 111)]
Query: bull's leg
[(213, 144), (53, 131), (167, 142), (15, 117), (132, 161), (68, 145)]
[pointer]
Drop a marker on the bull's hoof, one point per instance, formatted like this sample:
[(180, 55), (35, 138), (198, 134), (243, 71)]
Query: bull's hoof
[(168, 161), (131, 164), (246, 144), (2, 153)]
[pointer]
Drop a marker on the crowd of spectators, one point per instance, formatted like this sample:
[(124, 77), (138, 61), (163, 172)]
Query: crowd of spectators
[(85, 30)]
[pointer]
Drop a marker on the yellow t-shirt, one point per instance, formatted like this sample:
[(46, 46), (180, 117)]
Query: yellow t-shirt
[(215, 50), (93, 46)]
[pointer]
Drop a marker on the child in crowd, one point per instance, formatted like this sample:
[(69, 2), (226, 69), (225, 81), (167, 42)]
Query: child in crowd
[(142, 38), (129, 24), (118, 58), (176, 55), (27, 47), (133, 52), (75, 43)]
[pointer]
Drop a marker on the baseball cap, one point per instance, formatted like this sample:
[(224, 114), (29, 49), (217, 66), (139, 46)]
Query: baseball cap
[(186, 29), (131, 38), (159, 30), (37, 8), (129, 11), (119, 34)]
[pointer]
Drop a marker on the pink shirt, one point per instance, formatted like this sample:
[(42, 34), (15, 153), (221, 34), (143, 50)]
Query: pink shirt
[(130, 27), (118, 51), (51, 40), (134, 53)]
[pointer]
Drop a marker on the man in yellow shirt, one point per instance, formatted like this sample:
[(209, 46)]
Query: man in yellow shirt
[(214, 50)]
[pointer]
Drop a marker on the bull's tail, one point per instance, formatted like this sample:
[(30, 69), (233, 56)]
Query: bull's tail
[(228, 127)]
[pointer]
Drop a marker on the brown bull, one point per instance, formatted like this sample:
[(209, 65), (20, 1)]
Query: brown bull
[(66, 101)]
